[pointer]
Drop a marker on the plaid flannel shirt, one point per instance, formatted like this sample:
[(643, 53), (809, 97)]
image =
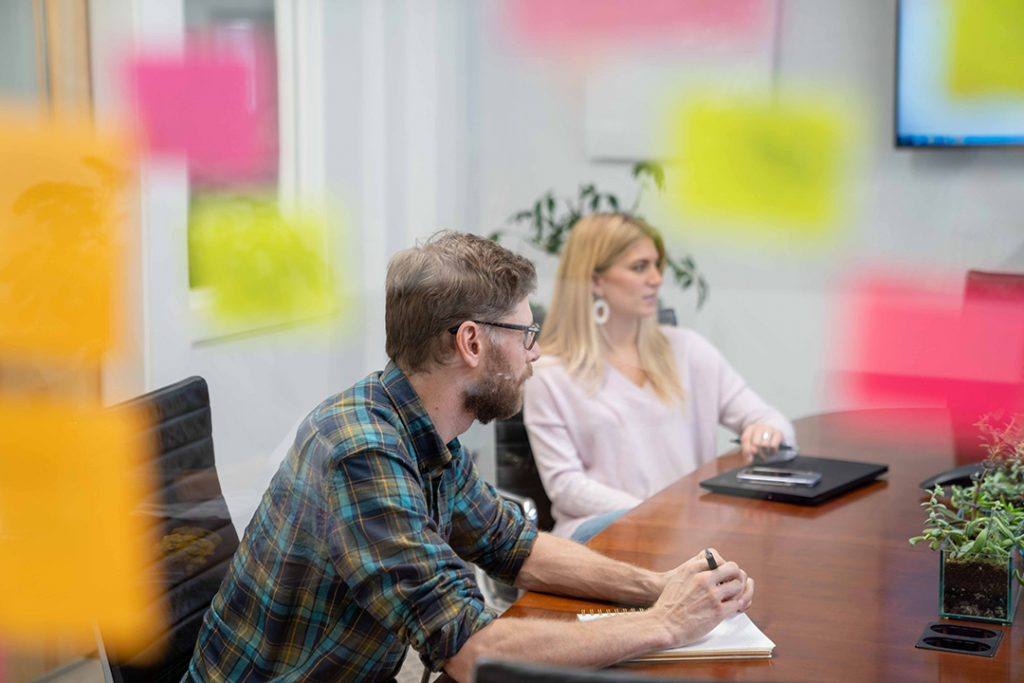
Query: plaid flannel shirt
[(360, 548)]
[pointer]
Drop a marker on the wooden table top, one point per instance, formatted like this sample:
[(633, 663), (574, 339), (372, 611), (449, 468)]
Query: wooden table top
[(839, 590)]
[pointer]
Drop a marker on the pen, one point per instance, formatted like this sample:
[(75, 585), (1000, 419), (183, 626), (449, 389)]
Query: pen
[(712, 565), (782, 446)]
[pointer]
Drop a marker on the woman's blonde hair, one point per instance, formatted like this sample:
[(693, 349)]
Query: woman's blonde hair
[(570, 333)]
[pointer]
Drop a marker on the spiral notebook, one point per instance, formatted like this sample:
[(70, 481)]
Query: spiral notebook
[(735, 638)]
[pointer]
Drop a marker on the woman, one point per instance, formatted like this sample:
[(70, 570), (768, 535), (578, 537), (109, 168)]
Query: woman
[(620, 407)]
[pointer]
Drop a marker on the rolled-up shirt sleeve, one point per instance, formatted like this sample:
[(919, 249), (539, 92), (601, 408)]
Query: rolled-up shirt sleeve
[(489, 530), (386, 546)]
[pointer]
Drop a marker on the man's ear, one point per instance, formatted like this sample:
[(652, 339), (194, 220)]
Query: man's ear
[(469, 344)]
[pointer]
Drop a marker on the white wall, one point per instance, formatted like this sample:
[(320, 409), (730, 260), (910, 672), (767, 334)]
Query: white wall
[(392, 99), (770, 313)]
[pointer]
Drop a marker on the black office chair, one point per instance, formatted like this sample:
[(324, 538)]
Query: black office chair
[(197, 539), (516, 468), (520, 672)]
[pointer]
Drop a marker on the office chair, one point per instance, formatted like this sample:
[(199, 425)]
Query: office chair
[(197, 538), (516, 672)]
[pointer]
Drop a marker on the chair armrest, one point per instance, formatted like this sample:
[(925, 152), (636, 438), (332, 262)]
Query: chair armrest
[(525, 504)]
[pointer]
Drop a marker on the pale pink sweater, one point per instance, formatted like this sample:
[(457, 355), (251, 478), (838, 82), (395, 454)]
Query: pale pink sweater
[(604, 451)]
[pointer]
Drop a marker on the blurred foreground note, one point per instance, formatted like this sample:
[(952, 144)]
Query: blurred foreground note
[(986, 55), (204, 107), (575, 23), (259, 265), (764, 168), (60, 238), (73, 551), (922, 342)]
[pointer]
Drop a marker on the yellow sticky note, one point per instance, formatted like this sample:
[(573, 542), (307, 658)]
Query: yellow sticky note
[(986, 55), (259, 264), (60, 263), (73, 550), (758, 164)]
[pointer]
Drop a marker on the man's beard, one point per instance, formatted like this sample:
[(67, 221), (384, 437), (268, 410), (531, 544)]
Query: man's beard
[(499, 394)]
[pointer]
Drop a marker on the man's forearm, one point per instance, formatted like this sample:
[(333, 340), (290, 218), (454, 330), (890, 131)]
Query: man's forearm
[(597, 643), (557, 565)]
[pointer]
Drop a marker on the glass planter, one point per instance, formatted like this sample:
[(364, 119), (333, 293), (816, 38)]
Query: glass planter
[(979, 587)]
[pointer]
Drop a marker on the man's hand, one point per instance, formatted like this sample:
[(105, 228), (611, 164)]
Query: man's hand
[(696, 599)]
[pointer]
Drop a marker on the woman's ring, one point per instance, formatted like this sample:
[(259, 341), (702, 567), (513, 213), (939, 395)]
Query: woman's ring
[(766, 437)]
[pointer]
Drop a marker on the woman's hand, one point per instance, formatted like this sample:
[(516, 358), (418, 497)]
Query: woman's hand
[(760, 441)]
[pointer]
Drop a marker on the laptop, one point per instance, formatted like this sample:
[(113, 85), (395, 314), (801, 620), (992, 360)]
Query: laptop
[(837, 477)]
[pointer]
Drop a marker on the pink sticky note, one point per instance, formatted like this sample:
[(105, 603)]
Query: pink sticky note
[(917, 343), (555, 22), (210, 106)]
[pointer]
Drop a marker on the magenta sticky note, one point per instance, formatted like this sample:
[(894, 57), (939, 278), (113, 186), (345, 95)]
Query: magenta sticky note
[(555, 22), (201, 106), (915, 342)]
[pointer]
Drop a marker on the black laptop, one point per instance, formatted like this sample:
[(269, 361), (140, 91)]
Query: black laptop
[(837, 477)]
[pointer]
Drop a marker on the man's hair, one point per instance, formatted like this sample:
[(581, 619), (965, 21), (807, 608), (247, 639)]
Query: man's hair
[(451, 278)]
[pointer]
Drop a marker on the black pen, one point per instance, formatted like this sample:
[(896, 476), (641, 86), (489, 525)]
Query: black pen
[(712, 565), (782, 446)]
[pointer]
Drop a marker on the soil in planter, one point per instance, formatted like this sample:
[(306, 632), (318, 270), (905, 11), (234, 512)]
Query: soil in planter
[(975, 588)]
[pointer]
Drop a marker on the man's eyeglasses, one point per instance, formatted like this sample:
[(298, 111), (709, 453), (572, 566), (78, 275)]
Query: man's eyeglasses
[(530, 332)]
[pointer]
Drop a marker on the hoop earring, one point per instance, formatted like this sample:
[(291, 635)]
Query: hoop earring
[(601, 311)]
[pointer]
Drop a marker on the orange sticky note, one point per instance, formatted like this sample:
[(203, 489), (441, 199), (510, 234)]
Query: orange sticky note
[(59, 238), (73, 551)]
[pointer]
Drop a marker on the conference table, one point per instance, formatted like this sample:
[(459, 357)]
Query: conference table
[(838, 588)]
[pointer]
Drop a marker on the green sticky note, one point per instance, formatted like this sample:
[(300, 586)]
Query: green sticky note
[(258, 264), (986, 55)]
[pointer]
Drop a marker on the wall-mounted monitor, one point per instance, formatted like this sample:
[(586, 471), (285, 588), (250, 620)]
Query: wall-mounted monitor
[(931, 110)]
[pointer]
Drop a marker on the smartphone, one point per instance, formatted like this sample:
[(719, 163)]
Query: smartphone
[(779, 476)]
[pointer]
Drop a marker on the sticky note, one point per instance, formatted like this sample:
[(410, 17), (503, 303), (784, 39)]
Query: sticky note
[(258, 264), (561, 22), (765, 167), (61, 238), (986, 54), (208, 106), (73, 551), (922, 342)]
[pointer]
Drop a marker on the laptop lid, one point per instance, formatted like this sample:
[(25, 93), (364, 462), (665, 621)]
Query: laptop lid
[(837, 477)]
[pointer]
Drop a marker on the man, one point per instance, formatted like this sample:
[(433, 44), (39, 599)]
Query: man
[(360, 547)]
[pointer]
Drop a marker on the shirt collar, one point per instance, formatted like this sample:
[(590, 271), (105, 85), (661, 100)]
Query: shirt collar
[(432, 455)]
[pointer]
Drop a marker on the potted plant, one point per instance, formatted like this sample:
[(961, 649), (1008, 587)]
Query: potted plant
[(549, 220), (979, 530)]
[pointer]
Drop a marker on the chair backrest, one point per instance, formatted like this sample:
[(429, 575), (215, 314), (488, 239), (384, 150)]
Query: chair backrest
[(191, 519), (516, 672), (516, 468), (985, 289)]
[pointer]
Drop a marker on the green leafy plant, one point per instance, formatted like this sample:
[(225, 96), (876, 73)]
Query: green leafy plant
[(986, 518), (550, 219)]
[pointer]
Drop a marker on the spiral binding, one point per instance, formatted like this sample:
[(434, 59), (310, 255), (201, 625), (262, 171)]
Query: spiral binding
[(612, 610)]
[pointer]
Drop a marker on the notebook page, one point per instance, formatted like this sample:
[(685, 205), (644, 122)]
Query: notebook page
[(737, 635)]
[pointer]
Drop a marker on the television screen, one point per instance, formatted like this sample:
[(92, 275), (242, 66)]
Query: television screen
[(959, 75)]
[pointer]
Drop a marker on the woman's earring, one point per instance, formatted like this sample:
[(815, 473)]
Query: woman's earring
[(601, 311)]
